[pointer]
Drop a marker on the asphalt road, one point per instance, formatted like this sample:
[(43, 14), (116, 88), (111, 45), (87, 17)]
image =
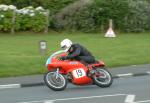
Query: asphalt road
[(123, 90)]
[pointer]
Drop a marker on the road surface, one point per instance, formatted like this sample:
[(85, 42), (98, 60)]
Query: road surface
[(123, 90)]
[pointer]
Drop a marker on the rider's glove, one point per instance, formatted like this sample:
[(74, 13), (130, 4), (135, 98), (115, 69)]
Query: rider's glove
[(63, 58)]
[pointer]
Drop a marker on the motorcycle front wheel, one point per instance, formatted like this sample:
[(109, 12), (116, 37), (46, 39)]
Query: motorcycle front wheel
[(55, 83), (102, 77)]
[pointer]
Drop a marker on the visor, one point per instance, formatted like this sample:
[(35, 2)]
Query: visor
[(64, 47)]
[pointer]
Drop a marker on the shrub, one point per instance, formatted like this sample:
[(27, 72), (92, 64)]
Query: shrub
[(6, 14), (127, 15), (28, 18), (138, 18), (53, 5), (77, 21), (31, 19), (94, 16), (110, 9)]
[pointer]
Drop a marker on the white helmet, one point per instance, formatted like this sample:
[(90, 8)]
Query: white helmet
[(66, 44)]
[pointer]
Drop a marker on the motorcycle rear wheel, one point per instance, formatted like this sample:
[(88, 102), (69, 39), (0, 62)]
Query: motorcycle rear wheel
[(102, 77), (55, 84)]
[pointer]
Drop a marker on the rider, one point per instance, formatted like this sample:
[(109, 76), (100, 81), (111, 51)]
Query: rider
[(77, 52)]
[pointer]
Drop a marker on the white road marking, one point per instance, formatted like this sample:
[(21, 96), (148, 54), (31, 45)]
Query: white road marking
[(145, 101), (130, 99), (148, 72), (123, 75), (10, 86), (48, 101), (77, 98)]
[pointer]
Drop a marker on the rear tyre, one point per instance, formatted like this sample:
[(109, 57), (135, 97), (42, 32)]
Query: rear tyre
[(102, 77), (55, 84)]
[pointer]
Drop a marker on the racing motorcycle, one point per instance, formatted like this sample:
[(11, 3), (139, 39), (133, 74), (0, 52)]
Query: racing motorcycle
[(60, 72)]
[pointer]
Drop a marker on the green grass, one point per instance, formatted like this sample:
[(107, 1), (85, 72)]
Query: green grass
[(19, 53)]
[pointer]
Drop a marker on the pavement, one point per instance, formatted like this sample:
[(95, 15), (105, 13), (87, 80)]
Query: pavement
[(37, 80)]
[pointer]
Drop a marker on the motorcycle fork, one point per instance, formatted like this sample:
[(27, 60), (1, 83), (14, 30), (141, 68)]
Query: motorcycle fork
[(56, 73), (100, 74)]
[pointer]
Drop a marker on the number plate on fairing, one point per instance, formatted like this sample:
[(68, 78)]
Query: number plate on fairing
[(78, 73)]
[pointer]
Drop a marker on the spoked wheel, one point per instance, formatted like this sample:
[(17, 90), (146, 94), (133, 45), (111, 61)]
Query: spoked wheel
[(56, 83), (102, 77)]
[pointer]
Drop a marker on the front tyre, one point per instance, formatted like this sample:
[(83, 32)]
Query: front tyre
[(102, 77), (56, 84)]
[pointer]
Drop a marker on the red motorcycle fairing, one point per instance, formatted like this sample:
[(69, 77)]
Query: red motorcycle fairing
[(65, 65), (80, 76), (77, 69)]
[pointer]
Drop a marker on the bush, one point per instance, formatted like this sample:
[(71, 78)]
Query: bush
[(95, 16), (138, 18), (6, 14), (28, 18), (83, 21), (110, 9), (31, 19), (127, 15), (53, 5), (77, 21)]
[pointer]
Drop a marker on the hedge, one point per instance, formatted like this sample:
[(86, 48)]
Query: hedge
[(26, 19), (53, 5), (127, 15)]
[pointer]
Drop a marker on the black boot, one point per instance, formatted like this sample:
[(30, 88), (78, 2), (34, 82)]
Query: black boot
[(91, 72)]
